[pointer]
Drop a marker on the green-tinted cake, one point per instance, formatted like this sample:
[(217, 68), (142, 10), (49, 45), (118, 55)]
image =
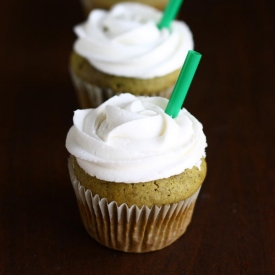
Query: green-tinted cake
[(94, 87), (158, 192)]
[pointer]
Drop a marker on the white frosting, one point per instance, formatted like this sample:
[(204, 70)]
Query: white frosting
[(126, 41), (131, 139)]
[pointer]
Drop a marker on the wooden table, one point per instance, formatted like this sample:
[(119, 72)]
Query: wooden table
[(233, 95)]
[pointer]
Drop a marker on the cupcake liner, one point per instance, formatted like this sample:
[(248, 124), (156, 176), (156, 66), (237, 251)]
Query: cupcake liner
[(91, 96), (132, 229)]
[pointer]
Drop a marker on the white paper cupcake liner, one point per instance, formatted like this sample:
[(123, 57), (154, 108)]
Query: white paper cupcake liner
[(91, 96), (132, 229)]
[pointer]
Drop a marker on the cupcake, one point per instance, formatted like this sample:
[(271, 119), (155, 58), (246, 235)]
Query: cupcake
[(88, 5), (136, 171), (123, 51)]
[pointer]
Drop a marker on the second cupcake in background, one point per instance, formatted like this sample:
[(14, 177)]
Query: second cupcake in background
[(88, 5), (123, 50)]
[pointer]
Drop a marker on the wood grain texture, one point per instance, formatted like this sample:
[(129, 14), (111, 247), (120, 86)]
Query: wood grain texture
[(232, 231)]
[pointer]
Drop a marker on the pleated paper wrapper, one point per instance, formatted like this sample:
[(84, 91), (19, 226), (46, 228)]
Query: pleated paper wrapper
[(132, 229), (91, 96)]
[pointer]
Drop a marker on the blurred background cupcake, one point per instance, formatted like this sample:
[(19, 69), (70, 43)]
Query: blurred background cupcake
[(88, 5), (123, 50)]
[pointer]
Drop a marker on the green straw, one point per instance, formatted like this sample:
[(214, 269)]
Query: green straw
[(170, 13), (183, 83)]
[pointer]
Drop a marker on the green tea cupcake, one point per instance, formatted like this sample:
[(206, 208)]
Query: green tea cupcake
[(136, 171), (88, 5), (123, 51)]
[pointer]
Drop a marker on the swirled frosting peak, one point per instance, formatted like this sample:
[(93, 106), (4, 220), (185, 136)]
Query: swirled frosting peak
[(126, 41), (131, 139)]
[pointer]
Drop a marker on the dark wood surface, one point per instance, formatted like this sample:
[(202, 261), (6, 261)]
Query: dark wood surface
[(233, 95)]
